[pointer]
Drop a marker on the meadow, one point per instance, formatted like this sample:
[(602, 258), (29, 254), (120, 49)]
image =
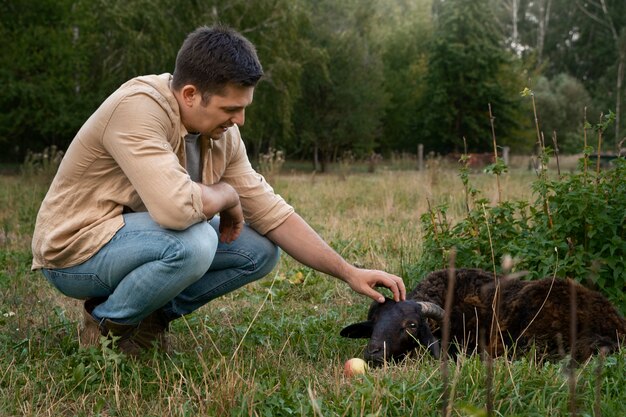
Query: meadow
[(273, 348)]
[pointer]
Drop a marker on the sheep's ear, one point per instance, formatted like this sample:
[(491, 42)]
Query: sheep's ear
[(362, 330)]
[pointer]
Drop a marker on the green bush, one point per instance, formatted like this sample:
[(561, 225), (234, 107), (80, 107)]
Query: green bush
[(575, 228)]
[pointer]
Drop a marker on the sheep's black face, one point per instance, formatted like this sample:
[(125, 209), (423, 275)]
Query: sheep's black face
[(394, 330)]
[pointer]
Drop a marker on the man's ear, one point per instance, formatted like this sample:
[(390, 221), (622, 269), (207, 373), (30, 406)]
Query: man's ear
[(189, 93), (362, 330)]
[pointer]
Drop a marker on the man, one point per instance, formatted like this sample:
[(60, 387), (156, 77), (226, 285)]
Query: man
[(156, 210)]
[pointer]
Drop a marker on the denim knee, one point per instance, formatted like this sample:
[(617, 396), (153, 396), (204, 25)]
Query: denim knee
[(270, 254), (198, 247), (262, 252)]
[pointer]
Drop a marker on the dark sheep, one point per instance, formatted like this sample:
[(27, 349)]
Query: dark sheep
[(529, 313)]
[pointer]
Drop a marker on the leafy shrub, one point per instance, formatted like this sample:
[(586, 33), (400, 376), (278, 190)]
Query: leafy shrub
[(576, 228)]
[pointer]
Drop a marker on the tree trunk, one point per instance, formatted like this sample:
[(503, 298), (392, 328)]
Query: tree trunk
[(542, 30), (620, 48), (621, 57), (618, 99), (514, 11), (316, 158), (513, 8)]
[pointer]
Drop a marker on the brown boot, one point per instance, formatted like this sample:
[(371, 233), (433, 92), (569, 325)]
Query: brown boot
[(135, 339), (154, 329), (126, 337), (89, 333)]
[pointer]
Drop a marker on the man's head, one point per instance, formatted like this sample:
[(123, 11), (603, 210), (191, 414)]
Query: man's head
[(212, 58), (214, 79)]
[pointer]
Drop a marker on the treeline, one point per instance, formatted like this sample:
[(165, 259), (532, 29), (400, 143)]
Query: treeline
[(356, 76)]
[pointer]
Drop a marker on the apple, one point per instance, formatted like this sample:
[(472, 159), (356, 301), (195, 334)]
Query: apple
[(354, 366)]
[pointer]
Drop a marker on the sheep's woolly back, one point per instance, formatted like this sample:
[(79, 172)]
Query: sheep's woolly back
[(434, 286), (529, 312), (540, 312)]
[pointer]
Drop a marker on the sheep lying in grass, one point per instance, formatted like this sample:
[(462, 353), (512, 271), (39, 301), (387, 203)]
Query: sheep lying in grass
[(528, 313)]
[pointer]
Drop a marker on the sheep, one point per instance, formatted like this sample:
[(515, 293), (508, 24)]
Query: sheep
[(528, 313)]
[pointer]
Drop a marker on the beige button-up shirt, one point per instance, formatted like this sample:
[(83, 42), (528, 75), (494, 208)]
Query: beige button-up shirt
[(131, 153)]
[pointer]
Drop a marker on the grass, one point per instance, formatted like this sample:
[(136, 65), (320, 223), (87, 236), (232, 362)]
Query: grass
[(272, 348)]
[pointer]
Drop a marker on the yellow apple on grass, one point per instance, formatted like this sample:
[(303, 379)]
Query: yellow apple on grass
[(354, 366)]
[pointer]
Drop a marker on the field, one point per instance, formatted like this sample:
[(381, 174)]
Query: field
[(273, 348)]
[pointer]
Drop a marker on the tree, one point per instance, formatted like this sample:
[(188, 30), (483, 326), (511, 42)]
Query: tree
[(404, 43), (38, 74), (561, 102), (610, 21), (275, 27), (60, 59), (468, 69), (586, 40), (343, 96)]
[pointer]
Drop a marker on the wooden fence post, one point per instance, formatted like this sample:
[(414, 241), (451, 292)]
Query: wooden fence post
[(420, 157), (505, 155)]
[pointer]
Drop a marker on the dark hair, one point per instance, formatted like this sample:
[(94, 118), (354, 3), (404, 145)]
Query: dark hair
[(213, 57)]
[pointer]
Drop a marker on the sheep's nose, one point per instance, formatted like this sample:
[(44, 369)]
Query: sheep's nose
[(376, 352), (374, 356)]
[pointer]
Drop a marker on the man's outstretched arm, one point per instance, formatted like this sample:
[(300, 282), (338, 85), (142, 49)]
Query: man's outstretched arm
[(301, 242)]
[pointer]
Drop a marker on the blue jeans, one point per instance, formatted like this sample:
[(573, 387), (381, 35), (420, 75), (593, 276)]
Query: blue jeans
[(146, 267)]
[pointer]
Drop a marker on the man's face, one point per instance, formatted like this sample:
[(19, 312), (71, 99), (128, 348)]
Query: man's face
[(219, 113)]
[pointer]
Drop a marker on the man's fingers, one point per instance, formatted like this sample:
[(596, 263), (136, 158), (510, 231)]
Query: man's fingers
[(393, 283), (229, 237), (366, 280), (230, 233), (374, 295), (395, 290), (396, 285), (402, 289)]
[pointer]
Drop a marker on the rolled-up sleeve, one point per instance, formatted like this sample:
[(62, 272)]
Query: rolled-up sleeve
[(263, 209), (147, 159)]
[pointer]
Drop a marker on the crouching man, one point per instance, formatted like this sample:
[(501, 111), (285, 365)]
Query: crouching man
[(155, 209)]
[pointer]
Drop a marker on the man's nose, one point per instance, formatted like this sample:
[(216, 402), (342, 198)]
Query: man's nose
[(239, 118)]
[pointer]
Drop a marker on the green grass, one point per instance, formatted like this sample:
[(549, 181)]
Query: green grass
[(272, 348)]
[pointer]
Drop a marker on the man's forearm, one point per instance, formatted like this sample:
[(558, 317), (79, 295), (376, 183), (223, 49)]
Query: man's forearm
[(217, 198), (301, 242)]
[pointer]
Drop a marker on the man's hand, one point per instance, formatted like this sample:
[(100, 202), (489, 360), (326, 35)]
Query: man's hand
[(363, 281), (231, 224), (223, 199)]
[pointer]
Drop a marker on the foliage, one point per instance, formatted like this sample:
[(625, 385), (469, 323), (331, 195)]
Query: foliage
[(466, 73), (584, 39), (563, 101), (275, 27), (404, 44), (37, 67), (270, 163), (576, 227), (343, 93), (357, 76), (80, 51), (43, 164)]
